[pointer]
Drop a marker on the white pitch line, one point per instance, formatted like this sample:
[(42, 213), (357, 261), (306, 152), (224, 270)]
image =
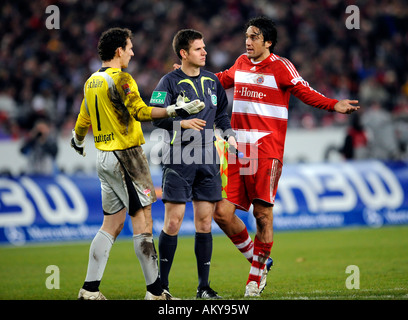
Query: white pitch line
[(338, 294)]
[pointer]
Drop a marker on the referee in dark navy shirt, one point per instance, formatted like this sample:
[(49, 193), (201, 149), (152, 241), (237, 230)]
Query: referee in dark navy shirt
[(191, 171)]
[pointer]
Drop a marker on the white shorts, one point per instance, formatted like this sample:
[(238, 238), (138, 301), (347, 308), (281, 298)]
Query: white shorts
[(125, 180)]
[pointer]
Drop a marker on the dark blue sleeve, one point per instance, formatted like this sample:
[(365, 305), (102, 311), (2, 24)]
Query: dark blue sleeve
[(222, 120), (162, 97)]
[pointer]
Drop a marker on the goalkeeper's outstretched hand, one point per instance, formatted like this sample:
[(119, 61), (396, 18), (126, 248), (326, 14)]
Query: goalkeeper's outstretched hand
[(79, 146), (183, 109)]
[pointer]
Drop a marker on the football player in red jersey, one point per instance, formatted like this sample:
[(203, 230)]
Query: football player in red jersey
[(263, 82)]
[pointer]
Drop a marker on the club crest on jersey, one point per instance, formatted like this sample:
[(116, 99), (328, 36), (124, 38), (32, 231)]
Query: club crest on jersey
[(126, 89), (260, 80)]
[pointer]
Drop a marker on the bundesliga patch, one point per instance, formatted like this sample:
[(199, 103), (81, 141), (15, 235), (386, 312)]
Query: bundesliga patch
[(126, 89), (158, 97), (214, 99)]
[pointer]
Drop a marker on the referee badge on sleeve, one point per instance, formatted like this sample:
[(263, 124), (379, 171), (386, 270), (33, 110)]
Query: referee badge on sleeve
[(158, 97)]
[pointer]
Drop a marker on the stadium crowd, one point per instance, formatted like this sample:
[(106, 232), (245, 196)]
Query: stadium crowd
[(42, 70)]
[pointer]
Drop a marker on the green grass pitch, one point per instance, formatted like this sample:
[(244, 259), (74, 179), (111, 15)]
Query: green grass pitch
[(308, 265)]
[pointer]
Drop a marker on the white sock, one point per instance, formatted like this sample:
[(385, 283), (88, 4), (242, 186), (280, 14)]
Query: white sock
[(98, 255), (146, 253)]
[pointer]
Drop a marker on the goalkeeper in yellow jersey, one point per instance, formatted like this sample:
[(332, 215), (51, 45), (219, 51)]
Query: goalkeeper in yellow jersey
[(113, 106)]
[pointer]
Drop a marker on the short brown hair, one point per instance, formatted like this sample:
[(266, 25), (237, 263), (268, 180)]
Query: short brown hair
[(183, 39), (112, 39)]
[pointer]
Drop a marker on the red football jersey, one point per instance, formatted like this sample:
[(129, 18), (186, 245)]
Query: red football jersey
[(261, 101)]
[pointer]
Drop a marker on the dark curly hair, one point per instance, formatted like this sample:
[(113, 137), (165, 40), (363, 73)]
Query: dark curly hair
[(112, 39), (183, 39), (267, 27)]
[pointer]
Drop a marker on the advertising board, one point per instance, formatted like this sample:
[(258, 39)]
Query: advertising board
[(310, 196)]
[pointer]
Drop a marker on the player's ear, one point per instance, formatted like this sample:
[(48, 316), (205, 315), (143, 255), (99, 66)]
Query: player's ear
[(119, 51), (268, 44), (183, 54)]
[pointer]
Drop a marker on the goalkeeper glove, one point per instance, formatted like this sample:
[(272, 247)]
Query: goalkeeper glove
[(79, 146), (183, 109)]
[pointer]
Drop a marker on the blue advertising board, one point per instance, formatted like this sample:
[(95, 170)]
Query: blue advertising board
[(372, 193), (310, 196)]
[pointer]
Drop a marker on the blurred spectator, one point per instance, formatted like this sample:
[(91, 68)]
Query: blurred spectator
[(371, 90), (400, 119), (356, 142), (382, 138), (8, 110), (41, 148)]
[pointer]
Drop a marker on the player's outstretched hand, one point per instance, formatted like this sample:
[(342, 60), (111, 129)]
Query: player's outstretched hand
[(346, 106), (195, 124), (184, 109), (79, 146)]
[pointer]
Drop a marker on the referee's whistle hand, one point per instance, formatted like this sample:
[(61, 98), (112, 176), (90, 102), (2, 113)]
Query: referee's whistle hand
[(195, 124)]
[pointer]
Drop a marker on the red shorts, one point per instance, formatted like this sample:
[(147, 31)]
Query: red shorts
[(252, 179)]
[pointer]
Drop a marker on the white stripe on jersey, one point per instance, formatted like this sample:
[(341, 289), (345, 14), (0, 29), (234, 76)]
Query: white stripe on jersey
[(252, 136), (300, 79), (255, 78), (260, 109), (290, 67)]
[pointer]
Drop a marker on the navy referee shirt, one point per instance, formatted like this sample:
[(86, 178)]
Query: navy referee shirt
[(205, 87)]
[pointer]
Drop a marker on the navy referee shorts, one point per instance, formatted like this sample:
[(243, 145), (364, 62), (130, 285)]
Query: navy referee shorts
[(184, 183)]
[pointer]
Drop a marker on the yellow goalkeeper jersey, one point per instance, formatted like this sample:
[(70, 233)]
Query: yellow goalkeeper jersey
[(113, 106)]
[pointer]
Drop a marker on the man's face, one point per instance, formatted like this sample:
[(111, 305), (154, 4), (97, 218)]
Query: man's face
[(257, 49), (127, 54), (196, 55)]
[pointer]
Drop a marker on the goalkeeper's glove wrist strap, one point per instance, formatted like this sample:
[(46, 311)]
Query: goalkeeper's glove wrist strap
[(77, 142), (171, 111)]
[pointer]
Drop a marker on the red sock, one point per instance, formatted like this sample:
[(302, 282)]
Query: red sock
[(244, 244), (261, 253)]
